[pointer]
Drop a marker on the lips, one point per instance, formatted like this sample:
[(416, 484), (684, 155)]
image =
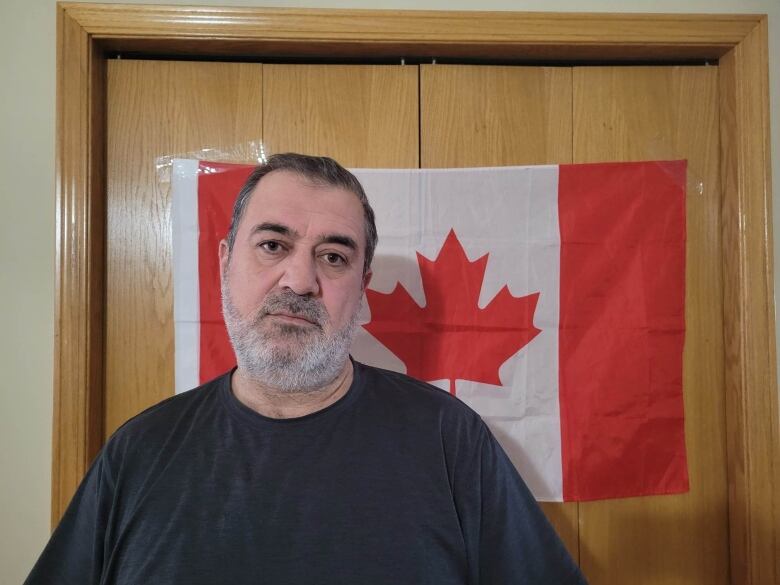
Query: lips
[(294, 317)]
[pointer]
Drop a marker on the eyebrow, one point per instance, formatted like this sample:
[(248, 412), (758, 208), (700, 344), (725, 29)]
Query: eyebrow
[(345, 241), (274, 227), (283, 230)]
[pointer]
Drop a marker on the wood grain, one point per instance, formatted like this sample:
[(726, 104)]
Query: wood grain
[(751, 388), (662, 113), (78, 362), (158, 108), (509, 34), (361, 115), (495, 116)]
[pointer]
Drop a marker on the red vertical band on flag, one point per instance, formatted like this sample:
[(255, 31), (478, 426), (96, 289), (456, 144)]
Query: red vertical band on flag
[(218, 186), (622, 327)]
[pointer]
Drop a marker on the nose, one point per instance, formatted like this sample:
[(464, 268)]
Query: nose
[(300, 274)]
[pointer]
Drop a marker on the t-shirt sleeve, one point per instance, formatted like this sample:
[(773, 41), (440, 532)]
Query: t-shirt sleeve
[(508, 538), (75, 552)]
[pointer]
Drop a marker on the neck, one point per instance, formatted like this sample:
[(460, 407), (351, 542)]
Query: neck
[(274, 403)]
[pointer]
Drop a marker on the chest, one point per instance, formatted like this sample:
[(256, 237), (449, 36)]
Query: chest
[(334, 505)]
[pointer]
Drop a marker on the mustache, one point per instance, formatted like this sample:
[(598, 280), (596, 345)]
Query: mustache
[(287, 301)]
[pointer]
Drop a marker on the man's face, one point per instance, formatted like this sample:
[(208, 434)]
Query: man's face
[(293, 284)]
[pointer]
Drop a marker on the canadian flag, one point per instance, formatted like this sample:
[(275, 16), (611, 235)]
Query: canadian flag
[(550, 299)]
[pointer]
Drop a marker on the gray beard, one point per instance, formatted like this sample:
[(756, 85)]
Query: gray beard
[(288, 358)]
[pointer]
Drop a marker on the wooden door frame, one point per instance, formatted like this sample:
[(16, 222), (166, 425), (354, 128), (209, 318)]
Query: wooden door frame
[(88, 33)]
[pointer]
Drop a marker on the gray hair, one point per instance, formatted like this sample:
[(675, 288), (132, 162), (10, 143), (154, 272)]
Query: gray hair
[(320, 170)]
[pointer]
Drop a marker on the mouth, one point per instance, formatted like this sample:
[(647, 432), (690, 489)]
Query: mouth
[(292, 318)]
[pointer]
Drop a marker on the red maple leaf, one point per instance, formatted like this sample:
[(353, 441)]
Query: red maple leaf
[(451, 337)]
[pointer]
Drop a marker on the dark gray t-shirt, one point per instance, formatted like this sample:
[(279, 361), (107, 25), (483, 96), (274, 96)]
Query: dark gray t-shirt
[(396, 483)]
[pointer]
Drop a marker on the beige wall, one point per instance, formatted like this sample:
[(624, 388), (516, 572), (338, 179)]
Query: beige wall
[(27, 83)]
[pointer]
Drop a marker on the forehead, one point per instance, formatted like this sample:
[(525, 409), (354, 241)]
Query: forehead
[(293, 200)]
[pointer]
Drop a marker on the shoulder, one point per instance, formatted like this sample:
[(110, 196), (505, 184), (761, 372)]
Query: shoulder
[(419, 401), (395, 384), (173, 416)]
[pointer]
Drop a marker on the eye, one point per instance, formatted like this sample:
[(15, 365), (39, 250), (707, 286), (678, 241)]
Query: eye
[(333, 259), (271, 246)]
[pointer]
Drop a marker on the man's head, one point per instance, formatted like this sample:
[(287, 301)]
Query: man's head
[(294, 266), (319, 170)]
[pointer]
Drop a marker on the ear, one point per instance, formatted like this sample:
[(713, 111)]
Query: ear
[(366, 279), (224, 257)]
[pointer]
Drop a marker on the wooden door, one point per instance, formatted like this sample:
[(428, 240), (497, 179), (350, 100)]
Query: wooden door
[(438, 116)]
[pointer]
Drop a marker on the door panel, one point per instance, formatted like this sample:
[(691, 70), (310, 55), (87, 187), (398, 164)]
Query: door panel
[(475, 116), (363, 116), (652, 113), (157, 108)]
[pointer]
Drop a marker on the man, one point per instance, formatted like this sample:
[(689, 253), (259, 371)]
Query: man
[(302, 466)]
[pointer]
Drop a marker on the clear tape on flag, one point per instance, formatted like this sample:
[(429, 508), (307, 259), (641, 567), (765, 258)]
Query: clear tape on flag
[(250, 152), (659, 148)]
